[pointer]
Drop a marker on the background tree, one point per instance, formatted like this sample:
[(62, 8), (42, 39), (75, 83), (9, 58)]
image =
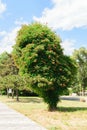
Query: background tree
[(7, 68), (38, 55), (80, 56), (9, 77)]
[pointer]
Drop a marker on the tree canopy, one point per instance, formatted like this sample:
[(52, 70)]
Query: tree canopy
[(39, 55)]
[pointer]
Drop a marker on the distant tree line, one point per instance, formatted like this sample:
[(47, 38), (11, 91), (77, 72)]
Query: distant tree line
[(80, 82)]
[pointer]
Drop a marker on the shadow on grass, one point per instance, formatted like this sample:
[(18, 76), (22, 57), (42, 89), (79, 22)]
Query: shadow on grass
[(30, 99), (25, 100), (71, 109)]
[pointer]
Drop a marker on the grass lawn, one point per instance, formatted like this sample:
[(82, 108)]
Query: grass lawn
[(71, 115)]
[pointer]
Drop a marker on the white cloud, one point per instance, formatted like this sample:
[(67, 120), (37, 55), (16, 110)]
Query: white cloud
[(2, 7), (65, 14), (2, 33), (21, 21), (8, 40), (68, 46)]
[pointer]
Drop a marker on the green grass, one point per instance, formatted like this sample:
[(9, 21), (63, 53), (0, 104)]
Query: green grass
[(71, 115)]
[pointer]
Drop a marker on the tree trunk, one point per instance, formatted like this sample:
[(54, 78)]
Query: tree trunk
[(12, 93), (17, 95), (8, 92), (52, 108)]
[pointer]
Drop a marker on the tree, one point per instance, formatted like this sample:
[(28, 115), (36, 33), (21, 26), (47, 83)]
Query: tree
[(7, 68), (9, 77), (80, 56), (13, 83), (38, 55)]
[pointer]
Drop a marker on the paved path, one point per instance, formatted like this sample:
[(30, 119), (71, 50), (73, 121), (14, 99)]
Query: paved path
[(72, 98), (13, 120)]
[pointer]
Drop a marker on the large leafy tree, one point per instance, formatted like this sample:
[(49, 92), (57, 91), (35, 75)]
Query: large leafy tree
[(80, 56), (38, 55)]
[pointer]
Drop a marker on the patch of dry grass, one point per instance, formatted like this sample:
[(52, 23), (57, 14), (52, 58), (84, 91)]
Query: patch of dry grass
[(71, 115)]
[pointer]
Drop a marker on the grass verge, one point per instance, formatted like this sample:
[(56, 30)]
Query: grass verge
[(71, 115)]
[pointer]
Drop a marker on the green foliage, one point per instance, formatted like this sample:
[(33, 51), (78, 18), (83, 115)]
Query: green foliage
[(38, 54), (80, 56), (8, 71), (7, 66)]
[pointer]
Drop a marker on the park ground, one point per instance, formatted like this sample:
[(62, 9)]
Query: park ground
[(71, 115)]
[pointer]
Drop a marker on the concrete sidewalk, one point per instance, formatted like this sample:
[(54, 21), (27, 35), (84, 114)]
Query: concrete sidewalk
[(13, 120)]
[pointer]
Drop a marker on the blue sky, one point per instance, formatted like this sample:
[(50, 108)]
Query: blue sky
[(67, 17)]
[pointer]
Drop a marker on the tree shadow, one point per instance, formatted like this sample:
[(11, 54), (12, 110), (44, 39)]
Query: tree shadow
[(25, 100), (30, 100), (71, 109)]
